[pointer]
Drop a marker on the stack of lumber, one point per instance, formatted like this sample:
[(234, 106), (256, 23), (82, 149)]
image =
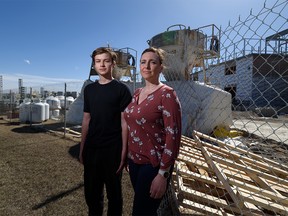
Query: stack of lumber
[(212, 177)]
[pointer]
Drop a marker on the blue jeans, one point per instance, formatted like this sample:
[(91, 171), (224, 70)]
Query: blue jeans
[(141, 176)]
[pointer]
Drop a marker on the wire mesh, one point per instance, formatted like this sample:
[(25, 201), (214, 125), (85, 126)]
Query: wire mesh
[(232, 83), (235, 163)]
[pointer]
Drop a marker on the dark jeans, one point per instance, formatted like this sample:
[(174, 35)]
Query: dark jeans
[(100, 166), (141, 178)]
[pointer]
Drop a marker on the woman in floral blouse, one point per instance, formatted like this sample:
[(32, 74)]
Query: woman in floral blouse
[(154, 132)]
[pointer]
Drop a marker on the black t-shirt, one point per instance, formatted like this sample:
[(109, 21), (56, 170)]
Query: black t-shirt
[(105, 102)]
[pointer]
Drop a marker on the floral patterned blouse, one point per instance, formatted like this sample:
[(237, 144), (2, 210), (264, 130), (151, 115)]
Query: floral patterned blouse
[(154, 128)]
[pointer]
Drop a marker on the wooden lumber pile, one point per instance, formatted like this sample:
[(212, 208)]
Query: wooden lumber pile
[(72, 132), (215, 178)]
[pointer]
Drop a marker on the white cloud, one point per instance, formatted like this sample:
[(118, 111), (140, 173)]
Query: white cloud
[(27, 61)]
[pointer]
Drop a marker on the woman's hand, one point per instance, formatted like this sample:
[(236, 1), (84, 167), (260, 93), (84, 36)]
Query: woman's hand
[(158, 187)]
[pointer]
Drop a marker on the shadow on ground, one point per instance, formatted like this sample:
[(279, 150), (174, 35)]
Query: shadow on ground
[(55, 197), (28, 129), (74, 151)]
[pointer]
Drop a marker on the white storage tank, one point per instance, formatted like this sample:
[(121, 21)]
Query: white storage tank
[(69, 101), (55, 113), (24, 112), (182, 47), (38, 112), (54, 102), (61, 99), (46, 109)]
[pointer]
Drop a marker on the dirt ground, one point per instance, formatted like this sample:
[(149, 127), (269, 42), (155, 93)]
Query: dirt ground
[(40, 172)]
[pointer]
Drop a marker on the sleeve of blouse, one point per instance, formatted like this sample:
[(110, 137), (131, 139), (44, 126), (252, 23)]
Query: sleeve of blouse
[(172, 122)]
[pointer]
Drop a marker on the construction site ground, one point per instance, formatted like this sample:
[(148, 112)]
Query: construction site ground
[(41, 174)]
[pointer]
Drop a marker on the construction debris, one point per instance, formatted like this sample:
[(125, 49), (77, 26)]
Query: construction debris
[(216, 178)]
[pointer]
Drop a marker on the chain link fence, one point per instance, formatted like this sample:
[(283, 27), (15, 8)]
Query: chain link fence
[(233, 158), (233, 87)]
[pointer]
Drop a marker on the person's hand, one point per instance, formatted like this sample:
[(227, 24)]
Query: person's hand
[(158, 187), (127, 167), (121, 166)]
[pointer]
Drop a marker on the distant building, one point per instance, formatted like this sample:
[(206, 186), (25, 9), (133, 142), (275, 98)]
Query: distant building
[(42, 91), (45, 94), (59, 93), (72, 94), (20, 85), (22, 89), (254, 80)]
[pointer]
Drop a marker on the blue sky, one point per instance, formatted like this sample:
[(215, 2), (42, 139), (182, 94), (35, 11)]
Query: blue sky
[(50, 41)]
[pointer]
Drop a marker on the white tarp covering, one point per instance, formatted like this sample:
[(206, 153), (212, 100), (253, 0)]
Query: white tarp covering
[(75, 113)]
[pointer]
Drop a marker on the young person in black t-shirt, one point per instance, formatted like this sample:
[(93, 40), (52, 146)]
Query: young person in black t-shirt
[(103, 145)]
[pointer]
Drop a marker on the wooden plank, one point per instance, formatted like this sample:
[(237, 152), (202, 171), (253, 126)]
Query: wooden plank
[(264, 167), (227, 170), (231, 180), (275, 183), (277, 197), (268, 191), (245, 168), (238, 201), (203, 178), (275, 164), (272, 194), (221, 176), (263, 183), (211, 201), (239, 173), (254, 198), (191, 154), (209, 183), (71, 131), (252, 162), (196, 196), (62, 134), (249, 170), (193, 161), (204, 209), (204, 184)]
